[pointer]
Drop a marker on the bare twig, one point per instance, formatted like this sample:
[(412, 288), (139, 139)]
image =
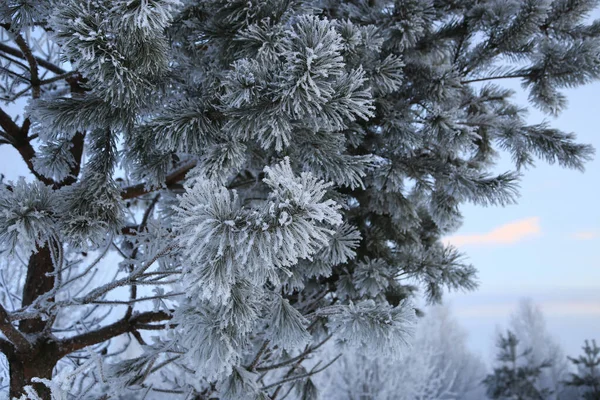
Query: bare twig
[(302, 376), (256, 360), (300, 356)]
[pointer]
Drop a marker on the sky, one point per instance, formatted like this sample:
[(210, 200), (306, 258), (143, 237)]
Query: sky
[(545, 247)]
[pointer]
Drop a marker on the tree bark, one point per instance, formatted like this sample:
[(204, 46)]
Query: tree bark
[(37, 363), (37, 282)]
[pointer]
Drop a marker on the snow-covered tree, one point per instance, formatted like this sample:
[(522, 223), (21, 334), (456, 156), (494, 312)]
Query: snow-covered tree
[(226, 184), (586, 379), (515, 377), (436, 366), (528, 324)]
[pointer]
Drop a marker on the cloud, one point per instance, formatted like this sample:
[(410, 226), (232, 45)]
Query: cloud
[(585, 235), (506, 234)]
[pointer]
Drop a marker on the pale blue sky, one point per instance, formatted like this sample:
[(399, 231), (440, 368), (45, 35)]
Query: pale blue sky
[(556, 261)]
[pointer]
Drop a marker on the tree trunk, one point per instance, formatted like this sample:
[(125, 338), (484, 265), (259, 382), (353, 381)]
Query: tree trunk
[(40, 359), (24, 367), (39, 280)]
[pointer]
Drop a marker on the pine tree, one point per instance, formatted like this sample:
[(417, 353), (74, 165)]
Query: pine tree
[(515, 377), (587, 378), (218, 187), (527, 322)]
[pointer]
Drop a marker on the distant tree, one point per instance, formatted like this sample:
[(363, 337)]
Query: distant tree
[(528, 324), (587, 377), (515, 377), (437, 366)]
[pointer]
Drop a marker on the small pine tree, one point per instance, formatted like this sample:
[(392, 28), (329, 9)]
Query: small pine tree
[(515, 378), (587, 378)]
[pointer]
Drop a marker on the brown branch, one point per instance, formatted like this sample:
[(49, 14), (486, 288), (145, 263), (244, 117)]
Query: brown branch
[(153, 327), (77, 152), (141, 227), (299, 357), (4, 138), (287, 379), (9, 126), (256, 360), (491, 78), (21, 143), (40, 61), (105, 333), (33, 65), (12, 334), (174, 177), (60, 77), (6, 348)]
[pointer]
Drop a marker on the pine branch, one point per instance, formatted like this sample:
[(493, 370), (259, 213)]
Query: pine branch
[(105, 333)]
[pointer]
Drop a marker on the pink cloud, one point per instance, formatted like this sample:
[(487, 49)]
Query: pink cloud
[(585, 235), (506, 234)]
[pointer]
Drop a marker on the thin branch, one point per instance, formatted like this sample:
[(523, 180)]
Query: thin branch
[(20, 64), (33, 65), (141, 227), (302, 376), (16, 96), (98, 292), (294, 359), (491, 78), (137, 300), (256, 360), (58, 77), (174, 177), (40, 61)]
